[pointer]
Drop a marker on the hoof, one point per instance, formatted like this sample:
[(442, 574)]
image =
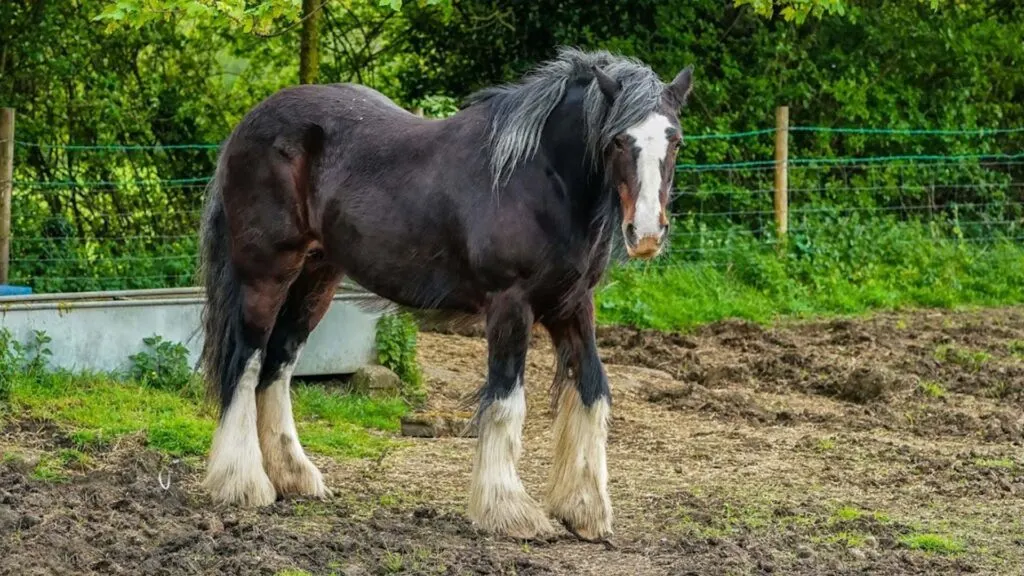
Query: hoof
[(512, 514), (294, 475), (243, 489), (301, 480), (591, 523)]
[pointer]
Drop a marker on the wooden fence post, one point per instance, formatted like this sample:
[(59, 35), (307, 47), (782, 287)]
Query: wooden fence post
[(6, 186), (782, 171)]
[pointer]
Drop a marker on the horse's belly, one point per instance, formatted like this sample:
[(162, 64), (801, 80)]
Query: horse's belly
[(429, 289)]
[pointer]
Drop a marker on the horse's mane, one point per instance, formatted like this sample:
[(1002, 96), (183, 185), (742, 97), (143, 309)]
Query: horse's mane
[(519, 111)]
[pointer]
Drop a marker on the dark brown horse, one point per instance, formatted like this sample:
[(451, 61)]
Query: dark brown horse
[(507, 209)]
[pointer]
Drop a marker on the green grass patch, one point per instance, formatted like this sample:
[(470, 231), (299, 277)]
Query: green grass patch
[(932, 389), (835, 267), (933, 543), (996, 463), (96, 408), (1017, 349), (852, 514), (969, 359)]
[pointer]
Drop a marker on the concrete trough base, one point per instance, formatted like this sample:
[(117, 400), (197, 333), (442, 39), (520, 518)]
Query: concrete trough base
[(98, 331)]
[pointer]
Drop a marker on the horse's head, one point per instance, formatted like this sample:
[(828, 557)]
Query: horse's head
[(641, 165)]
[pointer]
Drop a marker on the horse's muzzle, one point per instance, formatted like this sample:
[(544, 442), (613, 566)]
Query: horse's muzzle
[(646, 248)]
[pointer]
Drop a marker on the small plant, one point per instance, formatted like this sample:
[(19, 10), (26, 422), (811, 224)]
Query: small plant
[(163, 365), (825, 444), (931, 389), (30, 359), (396, 350)]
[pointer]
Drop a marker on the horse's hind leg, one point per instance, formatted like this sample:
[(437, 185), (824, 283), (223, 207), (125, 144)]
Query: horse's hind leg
[(235, 469), (578, 484), (497, 500), (287, 465)]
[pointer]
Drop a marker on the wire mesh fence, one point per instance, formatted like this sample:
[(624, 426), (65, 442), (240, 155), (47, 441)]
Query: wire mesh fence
[(106, 217)]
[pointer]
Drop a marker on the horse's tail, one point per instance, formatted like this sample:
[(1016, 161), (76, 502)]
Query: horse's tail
[(222, 313)]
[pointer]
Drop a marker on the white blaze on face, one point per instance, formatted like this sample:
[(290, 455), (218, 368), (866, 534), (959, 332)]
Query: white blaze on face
[(651, 138)]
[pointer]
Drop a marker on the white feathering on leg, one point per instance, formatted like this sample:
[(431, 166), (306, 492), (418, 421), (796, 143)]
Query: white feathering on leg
[(578, 484), (287, 465), (497, 500), (234, 473)]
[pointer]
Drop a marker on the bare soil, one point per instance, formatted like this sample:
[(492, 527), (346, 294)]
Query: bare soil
[(806, 448)]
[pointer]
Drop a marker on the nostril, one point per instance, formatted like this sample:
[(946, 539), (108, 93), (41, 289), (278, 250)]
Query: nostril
[(631, 233)]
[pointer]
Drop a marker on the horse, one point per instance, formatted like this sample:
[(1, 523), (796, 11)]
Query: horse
[(506, 210)]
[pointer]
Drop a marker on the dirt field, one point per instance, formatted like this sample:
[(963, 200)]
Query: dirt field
[(891, 445)]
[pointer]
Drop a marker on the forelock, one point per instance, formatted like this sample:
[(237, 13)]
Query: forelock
[(520, 111)]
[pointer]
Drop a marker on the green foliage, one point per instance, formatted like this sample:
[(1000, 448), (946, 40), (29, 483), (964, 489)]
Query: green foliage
[(246, 15), (396, 350), (439, 106), (162, 365)]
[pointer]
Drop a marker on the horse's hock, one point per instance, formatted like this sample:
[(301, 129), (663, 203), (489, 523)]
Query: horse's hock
[(98, 331)]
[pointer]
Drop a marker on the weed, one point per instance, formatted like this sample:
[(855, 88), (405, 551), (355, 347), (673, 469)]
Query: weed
[(163, 365), (825, 444), (934, 543), (26, 360), (931, 389), (396, 350)]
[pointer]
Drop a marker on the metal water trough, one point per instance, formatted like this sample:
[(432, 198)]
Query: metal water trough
[(98, 331)]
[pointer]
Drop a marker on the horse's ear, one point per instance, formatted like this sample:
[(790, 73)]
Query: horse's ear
[(608, 85), (679, 90)]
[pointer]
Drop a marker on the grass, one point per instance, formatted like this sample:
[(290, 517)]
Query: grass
[(95, 409), (842, 268), (1017, 349), (996, 463), (933, 543), (970, 359), (931, 389)]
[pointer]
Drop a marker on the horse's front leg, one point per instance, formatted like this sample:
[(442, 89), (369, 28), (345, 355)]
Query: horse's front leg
[(497, 500), (578, 484)]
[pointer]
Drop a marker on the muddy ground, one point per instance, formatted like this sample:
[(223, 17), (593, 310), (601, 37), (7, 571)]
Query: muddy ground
[(888, 445)]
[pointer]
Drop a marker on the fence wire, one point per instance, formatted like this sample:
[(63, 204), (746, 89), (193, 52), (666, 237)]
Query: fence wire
[(106, 217)]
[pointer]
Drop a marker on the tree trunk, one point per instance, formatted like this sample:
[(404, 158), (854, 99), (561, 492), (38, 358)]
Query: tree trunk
[(309, 48)]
